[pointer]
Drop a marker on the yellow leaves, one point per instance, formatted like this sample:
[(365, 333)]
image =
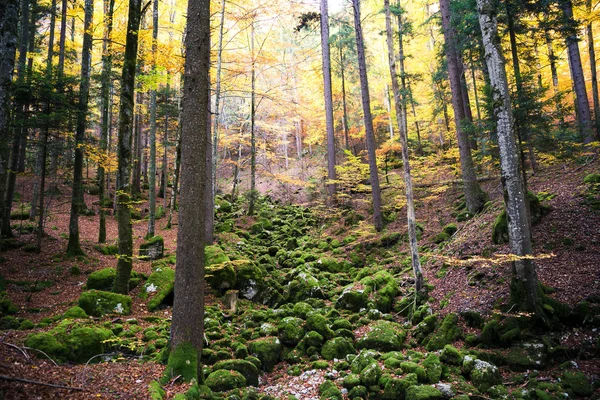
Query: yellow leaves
[(490, 261), (96, 155)]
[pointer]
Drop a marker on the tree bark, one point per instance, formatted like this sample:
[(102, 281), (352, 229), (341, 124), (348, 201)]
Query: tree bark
[(136, 184), (326, 68), (188, 309), (215, 144), (410, 206), (474, 196), (344, 106), (366, 103), (152, 173), (583, 105), (524, 285), (253, 193), (594, 77), (74, 247), (125, 258)]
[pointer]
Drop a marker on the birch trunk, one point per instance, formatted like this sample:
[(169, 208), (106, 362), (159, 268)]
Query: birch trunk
[(410, 206), (524, 285)]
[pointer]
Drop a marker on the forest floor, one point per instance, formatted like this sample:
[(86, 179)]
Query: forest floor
[(466, 272)]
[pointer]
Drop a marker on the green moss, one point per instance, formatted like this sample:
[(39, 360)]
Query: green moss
[(156, 391), (383, 336), (358, 392), (224, 380), (370, 375), (484, 375), (423, 393), (49, 344), (75, 312), (313, 338), (500, 229), (433, 368), (352, 299), (318, 323), (409, 367), (448, 332), (183, 360), (592, 179), (102, 279), (395, 389), (7, 306), (338, 348), (267, 350), (351, 380), (450, 355), (320, 364), (221, 276), (108, 249), (246, 368), (26, 325), (215, 255), (291, 330), (98, 303), (578, 383), (159, 286)]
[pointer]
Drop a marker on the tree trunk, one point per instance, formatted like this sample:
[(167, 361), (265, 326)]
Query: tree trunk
[(152, 173), (474, 196), (215, 144), (594, 78), (554, 72), (136, 184), (410, 206), (344, 107), (403, 94), (176, 167), (125, 259), (188, 309), (326, 68), (252, 127), (8, 47), (74, 247), (583, 105), (524, 285), (109, 6), (366, 103)]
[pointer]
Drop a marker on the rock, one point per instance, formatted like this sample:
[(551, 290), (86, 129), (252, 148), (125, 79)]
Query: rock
[(152, 248), (383, 336), (447, 333), (578, 383), (224, 380), (352, 299), (267, 350), (433, 368), (450, 355), (351, 380), (363, 359), (318, 323), (370, 375), (75, 312), (159, 287), (304, 286), (221, 276), (313, 338), (445, 389), (358, 392), (395, 388), (338, 348), (291, 330), (423, 393), (214, 255), (98, 303), (485, 375), (102, 279), (414, 368), (301, 309), (246, 368)]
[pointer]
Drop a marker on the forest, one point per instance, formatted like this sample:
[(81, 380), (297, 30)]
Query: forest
[(299, 200)]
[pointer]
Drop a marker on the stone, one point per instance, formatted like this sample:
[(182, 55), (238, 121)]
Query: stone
[(338, 348), (152, 248), (267, 350), (98, 303), (383, 336), (423, 393), (224, 380), (246, 368), (291, 330), (484, 375)]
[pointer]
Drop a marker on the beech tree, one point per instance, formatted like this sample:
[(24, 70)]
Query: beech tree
[(524, 284), (195, 198)]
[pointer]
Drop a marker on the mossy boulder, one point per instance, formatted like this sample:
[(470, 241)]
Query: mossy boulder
[(352, 299), (448, 332), (395, 388), (267, 350), (578, 383), (318, 323), (304, 285), (74, 313), (410, 367), (98, 303), (291, 330), (246, 368), (214, 255), (153, 248), (49, 344), (433, 368), (383, 336), (369, 376), (223, 380), (313, 339), (338, 348), (159, 287), (363, 359), (102, 279), (423, 392), (450, 355), (221, 276), (351, 380), (484, 375), (500, 229)]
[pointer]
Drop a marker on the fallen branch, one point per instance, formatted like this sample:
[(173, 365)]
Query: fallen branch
[(10, 378), (19, 349), (38, 350)]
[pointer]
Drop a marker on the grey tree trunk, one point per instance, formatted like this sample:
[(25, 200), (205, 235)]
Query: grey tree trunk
[(152, 173), (410, 206), (524, 285), (109, 6), (136, 188), (583, 105), (552, 61), (366, 103), (474, 196), (74, 247), (402, 70), (8, 47), (326, 68), (253, 193), (176, 166), (215, 144), (125, 259), (188, 309), (594, 77), (344, 106)]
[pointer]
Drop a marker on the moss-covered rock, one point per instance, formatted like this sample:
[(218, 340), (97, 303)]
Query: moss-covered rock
[(246, 368), (370, 375), (363, 359), (410, 367), (338, 348), (159, 287), (351, 380), (153, 248), (433, 368), (395, 388), (484, 375), (383, 336), (358, 392), (352, 299), (102, 279), (291, 330), (500, 229), (98, 303), (578, 383), (215, 255), (313, 339), (318, 323), (223, 380), (74, 313), (155, 391), (448, 332), (423, 392), (304, 285), (267, 350), (450, 355), (49, 344), (591, 179)]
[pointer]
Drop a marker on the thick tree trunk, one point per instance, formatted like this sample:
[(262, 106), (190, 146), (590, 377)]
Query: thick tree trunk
[(524, 285), (125, 259), (253, 193), (583, 105), (152, 173), (188, 309), (8, 46), (74, 247), (109, 6), (366, 103), (136, 181), (410, 206), (326, 68), (176, 166), (594, 77), (474, 196)]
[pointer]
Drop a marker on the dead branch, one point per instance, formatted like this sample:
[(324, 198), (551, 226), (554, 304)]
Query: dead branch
[(11, 378)]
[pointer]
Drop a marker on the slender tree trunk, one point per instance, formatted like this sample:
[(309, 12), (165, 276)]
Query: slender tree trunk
[(524, 285), (152, 173), (344, 106), (164, 166), (477, 106), (554, 72), (401, 57), (188, 309), (326, 68), (366, 102), (136, 185), (109, 6), (594, 77), (414, 113), (125, 259), (217, 117), (176, 167), (410, 206), (30, 51), (474, 196), (388, 107), (583, 105), (253, 193), (74, 247), (8, 46)]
